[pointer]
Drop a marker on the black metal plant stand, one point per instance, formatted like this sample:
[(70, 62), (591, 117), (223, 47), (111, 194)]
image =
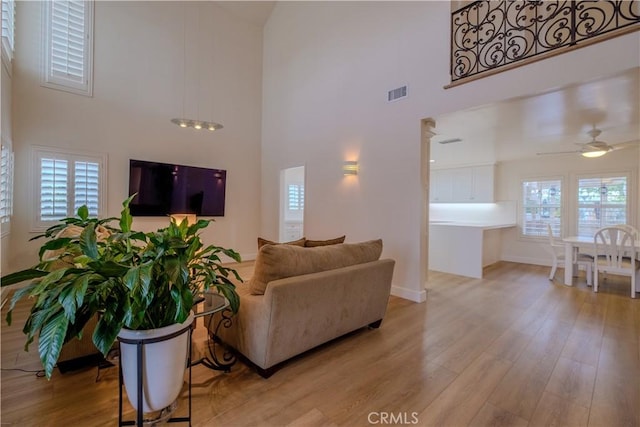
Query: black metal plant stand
[(215, 303), (211, 360), (140, 343)]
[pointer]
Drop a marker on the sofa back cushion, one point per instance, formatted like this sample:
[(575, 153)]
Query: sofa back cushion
[(315, 243), (262, 242), (281, 261)]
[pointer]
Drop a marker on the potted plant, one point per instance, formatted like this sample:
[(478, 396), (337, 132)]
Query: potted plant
[(134, 281)]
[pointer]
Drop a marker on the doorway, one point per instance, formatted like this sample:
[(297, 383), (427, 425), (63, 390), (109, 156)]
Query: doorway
[(292, 203)]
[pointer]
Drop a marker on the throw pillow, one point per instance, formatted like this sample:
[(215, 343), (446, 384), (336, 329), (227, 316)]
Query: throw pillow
[(315, 243), (262, 242), (281, 261)]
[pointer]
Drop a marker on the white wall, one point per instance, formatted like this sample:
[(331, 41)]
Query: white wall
[(138, 87), (327, 69)]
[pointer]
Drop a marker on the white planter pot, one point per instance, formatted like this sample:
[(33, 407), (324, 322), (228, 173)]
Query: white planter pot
[(163, 365)]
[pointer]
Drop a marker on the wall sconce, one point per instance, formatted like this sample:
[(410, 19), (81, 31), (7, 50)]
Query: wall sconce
[(350, 168), (178, 218)]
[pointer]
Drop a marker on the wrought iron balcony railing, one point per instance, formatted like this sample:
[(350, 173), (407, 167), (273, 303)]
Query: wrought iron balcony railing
[(487, 35)]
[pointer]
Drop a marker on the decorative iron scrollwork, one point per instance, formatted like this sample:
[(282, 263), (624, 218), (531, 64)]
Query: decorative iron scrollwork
[(222, 356), (489, 34)]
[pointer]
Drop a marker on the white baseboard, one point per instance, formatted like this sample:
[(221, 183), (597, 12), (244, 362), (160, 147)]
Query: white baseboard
[(410, 294), (249, 257), (527, 260)]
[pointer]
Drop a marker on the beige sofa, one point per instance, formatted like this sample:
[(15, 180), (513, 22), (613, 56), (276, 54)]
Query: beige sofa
[(310, 296)]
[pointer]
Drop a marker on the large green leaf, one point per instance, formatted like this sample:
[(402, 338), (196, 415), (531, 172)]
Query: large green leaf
[(88, 241), (132, 278), (83, 212), (125, 215), (54, 245), (21, 276), (230, 294), (109, 268), (105, 335), (50, 341), (72, 296)]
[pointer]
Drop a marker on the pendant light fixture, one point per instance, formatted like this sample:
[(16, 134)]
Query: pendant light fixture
[(184, 122)]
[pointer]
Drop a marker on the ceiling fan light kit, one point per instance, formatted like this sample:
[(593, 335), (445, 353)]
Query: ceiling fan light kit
[(594, 148), (596, 153)]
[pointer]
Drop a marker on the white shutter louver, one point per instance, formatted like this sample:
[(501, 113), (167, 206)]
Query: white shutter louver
[(67, 40), (601, 202), (6, 184), (68, 45), (53, 189), (8, 21), (87, 185), (296, 197), (8, 31)]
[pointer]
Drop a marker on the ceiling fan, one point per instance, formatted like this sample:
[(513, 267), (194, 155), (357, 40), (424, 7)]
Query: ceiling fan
[(593, 148)]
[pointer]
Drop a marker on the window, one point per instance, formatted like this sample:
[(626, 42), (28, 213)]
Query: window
[(542, 202), (6, 187), (602, 201), (8, 23), (68, 46), (296, 197), (65, 182)]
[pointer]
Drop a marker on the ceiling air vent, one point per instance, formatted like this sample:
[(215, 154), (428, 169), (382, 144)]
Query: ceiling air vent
[(397, 94), (450, 141)]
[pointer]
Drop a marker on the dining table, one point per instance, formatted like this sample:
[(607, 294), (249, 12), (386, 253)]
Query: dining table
[(572, 244)]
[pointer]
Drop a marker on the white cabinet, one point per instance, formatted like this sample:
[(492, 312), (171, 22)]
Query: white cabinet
[(469, 184), (441, 186), (292, 231)]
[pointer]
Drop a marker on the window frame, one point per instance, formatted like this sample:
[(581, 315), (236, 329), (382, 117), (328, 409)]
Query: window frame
[(562, 206), (56, 82), (630, 200), (71, 156)]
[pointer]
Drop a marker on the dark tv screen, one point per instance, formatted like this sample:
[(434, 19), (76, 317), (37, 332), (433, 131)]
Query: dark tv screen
[(165, 189)]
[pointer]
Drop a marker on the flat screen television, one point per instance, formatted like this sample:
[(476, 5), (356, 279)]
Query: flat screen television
[(165, 189)]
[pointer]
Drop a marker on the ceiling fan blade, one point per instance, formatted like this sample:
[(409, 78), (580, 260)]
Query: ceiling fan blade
[(627, 144), (557, 152)]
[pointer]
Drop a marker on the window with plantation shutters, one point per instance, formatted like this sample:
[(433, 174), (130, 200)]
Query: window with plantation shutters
[(87, 180), (68, 46), (53, 189), (602, 201), (66, 182), (542, 205), (296, 197), (8, 30), (6, 186)]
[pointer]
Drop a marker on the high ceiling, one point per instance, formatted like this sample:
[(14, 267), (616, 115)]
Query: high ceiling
[(553, 121), (256, 12)]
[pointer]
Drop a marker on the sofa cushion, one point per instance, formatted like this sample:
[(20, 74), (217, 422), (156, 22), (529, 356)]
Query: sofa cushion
[(314, 243), (281, 261), (262, 242)]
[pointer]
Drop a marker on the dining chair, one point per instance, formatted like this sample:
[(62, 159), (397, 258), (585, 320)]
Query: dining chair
[(558, 258), (616, 254)]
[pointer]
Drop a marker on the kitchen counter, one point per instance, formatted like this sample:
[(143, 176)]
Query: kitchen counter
[(465, 248)]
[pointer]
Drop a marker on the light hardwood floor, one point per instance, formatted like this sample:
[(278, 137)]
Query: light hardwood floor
[(512, 349)]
